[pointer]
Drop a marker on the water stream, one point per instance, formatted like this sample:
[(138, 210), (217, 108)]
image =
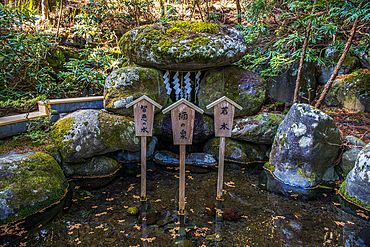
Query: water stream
[(265, 219)]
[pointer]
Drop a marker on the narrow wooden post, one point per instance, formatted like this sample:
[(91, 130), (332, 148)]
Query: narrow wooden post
[(143, 224), (144, 115), (182, 180), (221, 167), (143, 168)]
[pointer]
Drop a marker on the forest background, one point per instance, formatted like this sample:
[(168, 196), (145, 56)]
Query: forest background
[(58, 49)]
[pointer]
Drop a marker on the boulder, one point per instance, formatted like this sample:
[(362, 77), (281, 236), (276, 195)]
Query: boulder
[(204, 128), (350, 63), (357, 184), (364, 59), (195, 162), (135, 157), (281, 87), (32, 191), (348, 160), (305, 147), (260, 129), (245, 88), (237, 151), (183, 46), (355, 141), (94, 173), (126, 84), (87, 133), (350, 92)]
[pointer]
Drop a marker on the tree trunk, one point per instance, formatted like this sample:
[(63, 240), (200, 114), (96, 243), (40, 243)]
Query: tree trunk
[(339, 65), (45, 9), (238, 8), (304, 48)]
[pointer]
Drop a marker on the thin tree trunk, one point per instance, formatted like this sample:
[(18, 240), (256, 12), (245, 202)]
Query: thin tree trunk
[(304, 48), (238, 8), (339, 65), (45, 9)]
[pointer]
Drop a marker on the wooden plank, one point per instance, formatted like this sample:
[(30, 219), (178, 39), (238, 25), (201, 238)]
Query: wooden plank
[(182, 118), (182, 180), (71, 100), (21, 118), (222, 99), (144, 116), (144, 97), (182, 101), (143, 167), (223, 118), (220, 180)]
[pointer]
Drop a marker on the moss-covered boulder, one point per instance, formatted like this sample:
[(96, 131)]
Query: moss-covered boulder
[(350, 63), (356, 187), (32, 192), (305, 147), (351, 92), (183, 46), (95, 172), (135, 157), (203, 128), (126, 84), (87, 133), (237, 151), (245, 88), (281, 87), (260, 129)]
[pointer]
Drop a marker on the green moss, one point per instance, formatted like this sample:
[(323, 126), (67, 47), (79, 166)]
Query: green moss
[(269, 166), (37, 183), (344, 192), (58, 134), (310, 176)]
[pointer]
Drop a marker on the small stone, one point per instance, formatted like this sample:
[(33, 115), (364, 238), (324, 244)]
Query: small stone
[(355, 141), (230, 214), (151, 217), (133, 211), (348, 160), (210, 209)]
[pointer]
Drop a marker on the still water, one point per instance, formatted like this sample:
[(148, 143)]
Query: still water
[(100, 217)]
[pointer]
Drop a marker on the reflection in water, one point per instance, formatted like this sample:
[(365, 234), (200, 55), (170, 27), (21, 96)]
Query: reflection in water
[(143, 224), (266, 219)]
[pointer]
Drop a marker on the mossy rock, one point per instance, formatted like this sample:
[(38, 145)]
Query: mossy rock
[(357, 184), (245, 88), (237, 151), (126, 84), (260, 129), (305, 146), (282, 87), (87, 133), (183, 46), (32, 192), (350, 63), (351, 92), (95, 172)]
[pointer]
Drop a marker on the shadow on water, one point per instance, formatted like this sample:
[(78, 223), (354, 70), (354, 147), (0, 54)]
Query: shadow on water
[(264, 218)]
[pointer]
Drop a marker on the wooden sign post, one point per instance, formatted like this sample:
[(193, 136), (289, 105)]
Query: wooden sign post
[(182, 118), (144, 116), (224, 109)]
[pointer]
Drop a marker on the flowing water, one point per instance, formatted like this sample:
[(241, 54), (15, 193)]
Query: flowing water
[(265, 219)]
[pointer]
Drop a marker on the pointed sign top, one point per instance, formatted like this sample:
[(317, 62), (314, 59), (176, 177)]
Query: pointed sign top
[(144, 97), (222, 99), (182, 101)]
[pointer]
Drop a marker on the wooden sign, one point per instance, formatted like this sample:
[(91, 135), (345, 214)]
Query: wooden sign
[(182, 119), (144, 116), (224, 109)]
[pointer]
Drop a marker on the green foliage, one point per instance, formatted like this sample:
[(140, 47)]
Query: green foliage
[(87, 75), (277, 28), (23, 68), (37, 131)]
